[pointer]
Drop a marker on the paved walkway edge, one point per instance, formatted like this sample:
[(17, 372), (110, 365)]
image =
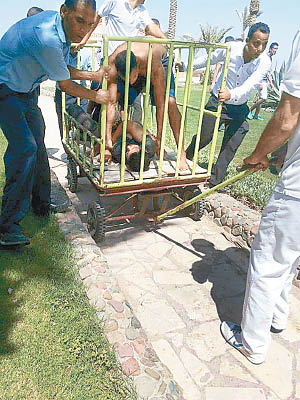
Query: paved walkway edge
[(151, 377)]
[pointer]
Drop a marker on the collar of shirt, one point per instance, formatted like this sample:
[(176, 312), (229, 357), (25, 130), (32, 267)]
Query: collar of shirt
[(136, 10), (60, 29)]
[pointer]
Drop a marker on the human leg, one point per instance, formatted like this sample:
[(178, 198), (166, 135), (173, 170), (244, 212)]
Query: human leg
[(175, 122), (273, 263), (234, 134), (281, 310), (58, 108), (207, 129), (42, 183), (19, 160)]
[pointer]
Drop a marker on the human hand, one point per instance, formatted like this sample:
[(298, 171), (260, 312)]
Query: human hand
[(224, 95), (78, 46), (178, 66), (103, 73), (107, 156), (257, 163), (102, 96)]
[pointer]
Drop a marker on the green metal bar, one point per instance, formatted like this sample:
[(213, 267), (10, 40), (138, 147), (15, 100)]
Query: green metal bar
[(218, 115), (166, 41), (93, 58), (103, 114), (185, 101), (78, 67), (127, 77), (202, 107), (146, 108), (188, 203), (165, 119), (63, 102)]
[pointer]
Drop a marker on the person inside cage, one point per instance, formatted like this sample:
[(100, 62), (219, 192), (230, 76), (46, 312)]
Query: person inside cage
[(133, 147), (137, 83)]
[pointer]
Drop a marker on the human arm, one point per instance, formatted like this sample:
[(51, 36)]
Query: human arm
[(154, 30), (215, 76), (110, 113), (270, 80), (244, 87), (218, 55), (279, 129), (76, 90), (78, 74)]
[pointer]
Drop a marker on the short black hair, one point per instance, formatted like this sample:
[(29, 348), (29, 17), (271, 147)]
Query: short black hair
[(259, 26), (156, 21), (71, 4), (273, 44), (34, 10), (134, 161), (120, 63), (229, 39)]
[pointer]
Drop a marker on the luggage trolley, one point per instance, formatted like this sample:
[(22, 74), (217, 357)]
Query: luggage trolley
[(163, 179)]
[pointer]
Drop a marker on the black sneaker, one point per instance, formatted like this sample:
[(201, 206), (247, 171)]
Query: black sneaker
[(191, 148), (13, 239), (41, 210), (275, 330)]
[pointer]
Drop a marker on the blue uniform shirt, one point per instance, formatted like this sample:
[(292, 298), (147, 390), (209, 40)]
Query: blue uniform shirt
[(33, 50)]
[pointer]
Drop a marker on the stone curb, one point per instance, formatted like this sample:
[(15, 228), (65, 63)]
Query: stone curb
[(239, 221), (152, 379)]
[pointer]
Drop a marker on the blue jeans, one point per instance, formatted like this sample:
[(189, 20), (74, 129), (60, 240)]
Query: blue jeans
[(26, 161)]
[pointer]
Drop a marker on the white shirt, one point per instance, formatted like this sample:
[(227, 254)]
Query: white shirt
[(241, 77), (289, 181), (123, 20)]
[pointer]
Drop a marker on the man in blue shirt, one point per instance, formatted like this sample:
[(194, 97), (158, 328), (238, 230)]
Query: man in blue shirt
[(31, 51)]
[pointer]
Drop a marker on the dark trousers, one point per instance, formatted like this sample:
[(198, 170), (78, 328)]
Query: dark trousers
[(236, 127), (26, 161), (69, 100)]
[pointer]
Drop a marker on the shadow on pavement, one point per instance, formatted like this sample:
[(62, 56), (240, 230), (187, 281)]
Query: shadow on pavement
[(228, 282)]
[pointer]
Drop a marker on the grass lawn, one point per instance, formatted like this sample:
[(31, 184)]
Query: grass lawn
[(255, 188), (51, 344)]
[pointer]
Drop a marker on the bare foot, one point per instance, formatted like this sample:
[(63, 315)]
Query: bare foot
[(183, 165), (157, 150)]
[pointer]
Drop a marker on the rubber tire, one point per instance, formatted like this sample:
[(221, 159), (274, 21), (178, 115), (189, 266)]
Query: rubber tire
[(196, 210), (72, 176), (96, 221)]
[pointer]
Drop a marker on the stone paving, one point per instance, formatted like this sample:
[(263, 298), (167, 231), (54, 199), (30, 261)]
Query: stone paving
[(162, 295)]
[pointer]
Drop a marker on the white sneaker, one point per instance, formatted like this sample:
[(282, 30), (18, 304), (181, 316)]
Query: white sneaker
[(232, 334)]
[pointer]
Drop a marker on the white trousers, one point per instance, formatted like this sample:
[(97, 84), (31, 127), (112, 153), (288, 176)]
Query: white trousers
[(273, 263)]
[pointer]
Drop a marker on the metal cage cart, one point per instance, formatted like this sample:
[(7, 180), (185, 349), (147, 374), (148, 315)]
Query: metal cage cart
[(163, 179)]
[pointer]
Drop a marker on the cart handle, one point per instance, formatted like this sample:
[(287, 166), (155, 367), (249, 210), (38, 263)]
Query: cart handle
[(245, 171)]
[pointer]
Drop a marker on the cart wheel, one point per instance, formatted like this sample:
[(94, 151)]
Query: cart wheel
[(72, 176), (196, 210), (96, 221)]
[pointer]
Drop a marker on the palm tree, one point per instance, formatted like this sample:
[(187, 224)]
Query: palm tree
[(253, 11), (212, 34), (245, 19), (209, 34), (172, 19)]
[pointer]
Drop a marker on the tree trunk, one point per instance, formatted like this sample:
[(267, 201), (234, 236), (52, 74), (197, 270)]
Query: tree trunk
[(253, 11), (172, 19)]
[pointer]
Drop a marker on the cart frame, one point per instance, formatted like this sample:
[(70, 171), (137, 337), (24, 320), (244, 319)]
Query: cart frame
[(77, 140)]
